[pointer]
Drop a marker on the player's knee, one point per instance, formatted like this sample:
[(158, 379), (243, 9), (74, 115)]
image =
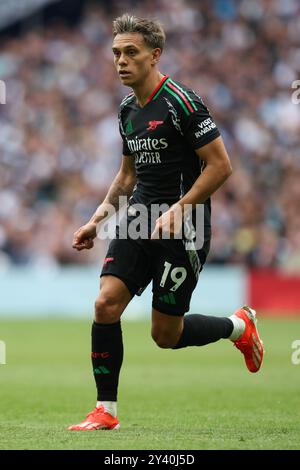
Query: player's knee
[(107, 309), (163, 339)]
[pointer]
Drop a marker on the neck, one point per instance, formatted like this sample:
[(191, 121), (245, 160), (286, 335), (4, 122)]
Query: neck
[(143, 91)]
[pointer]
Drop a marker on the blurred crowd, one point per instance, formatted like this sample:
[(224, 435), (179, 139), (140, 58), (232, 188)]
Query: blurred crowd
[(60, 146)]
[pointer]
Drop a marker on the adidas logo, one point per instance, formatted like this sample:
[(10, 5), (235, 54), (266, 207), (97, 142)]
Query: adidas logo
[(101, 370), (168, 298)]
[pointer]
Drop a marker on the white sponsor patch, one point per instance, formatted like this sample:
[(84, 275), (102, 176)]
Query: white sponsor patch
[(205, 126)]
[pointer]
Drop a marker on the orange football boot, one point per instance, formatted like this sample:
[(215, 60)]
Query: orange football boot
[(96, 419), (249, 343)]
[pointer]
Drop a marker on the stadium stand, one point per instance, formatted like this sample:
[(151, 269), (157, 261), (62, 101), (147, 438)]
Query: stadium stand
[(59, 141)]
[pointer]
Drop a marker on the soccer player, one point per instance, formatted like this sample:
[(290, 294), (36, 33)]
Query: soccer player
[(173, 154)]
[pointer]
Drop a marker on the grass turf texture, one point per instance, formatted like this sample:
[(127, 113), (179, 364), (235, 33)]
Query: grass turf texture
[(194, 398)]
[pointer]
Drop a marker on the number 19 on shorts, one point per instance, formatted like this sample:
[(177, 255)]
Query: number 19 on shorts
[(178, 276)]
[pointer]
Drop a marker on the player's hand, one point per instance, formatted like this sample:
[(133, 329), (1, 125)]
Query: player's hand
[(84, 236), (169, 224)]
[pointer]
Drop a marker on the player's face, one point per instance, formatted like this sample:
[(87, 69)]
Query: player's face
[(133, 59)]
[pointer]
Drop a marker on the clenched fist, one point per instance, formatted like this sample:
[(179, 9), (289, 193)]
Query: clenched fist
[(84, 236)]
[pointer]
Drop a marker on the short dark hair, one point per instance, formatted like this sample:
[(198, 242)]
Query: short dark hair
[(151, 30)]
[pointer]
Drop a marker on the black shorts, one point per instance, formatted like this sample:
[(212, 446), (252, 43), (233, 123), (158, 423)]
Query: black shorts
[(173, 270)]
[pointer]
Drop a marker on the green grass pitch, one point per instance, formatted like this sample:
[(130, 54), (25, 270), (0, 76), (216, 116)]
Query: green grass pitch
[(195, 398)]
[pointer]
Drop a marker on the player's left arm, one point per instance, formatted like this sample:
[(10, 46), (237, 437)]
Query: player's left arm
[(217, 169)]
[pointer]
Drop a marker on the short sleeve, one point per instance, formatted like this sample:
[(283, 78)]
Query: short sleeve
[(126, 150), (198, 127)]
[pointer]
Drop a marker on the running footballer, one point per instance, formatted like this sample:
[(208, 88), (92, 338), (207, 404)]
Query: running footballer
[(174, 157)]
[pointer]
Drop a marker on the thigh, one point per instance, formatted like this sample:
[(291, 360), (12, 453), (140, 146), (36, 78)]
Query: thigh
[(175, 277), (129, 261)]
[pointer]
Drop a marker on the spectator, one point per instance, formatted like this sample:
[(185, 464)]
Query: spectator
[(59, 141)]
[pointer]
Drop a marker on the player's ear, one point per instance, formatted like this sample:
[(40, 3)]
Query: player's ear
[(156, 53)]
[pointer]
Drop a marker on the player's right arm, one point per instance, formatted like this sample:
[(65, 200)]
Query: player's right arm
[(122, 185)]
